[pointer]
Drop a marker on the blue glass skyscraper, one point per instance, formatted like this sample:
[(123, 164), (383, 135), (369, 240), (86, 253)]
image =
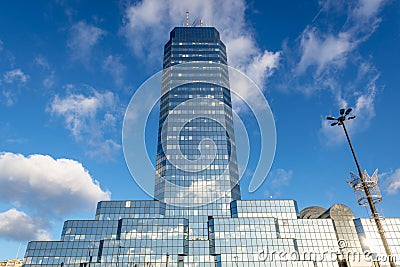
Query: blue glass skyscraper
[(196, 156)]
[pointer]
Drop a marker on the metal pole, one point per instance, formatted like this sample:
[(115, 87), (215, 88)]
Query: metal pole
[(370, 202), (166, 264)]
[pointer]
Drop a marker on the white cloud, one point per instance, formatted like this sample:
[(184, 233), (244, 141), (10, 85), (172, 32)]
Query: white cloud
[(8, 98), (364, 109), (277, 179), (49, 79), (15, 75), (368, 8), (12, 80), (103, 149), (1, 45), (140, 21), (391, 181), (331, 48), (51, 187), (79, 111), (42, 61), (90, 118), (321, 50), (82, 38), (146, 24), (112, 64), (17, 225), (329, 53), (262, 66)]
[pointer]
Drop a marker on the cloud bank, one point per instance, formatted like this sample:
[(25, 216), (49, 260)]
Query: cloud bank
[(391, 182), (329, 52), (48, 185), (15, 75), (17, 225), (90, 117), (50, 188), (145, 20), (82, 38)]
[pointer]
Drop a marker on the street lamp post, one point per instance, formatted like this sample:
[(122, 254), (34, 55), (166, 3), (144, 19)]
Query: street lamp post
[(340, 122)]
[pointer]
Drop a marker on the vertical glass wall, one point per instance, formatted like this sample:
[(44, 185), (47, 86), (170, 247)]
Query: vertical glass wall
[(196, 155)]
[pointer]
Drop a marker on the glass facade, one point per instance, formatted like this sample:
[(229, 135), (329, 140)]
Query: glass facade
[(371, 242), (198, 217), (196, 155), (255, 233)]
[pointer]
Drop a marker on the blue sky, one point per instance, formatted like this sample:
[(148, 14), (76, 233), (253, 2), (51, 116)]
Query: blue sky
[(69, 68)]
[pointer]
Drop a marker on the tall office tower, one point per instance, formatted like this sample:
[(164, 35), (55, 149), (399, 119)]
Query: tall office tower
[(198, 218), (196, 173), (196, 156)]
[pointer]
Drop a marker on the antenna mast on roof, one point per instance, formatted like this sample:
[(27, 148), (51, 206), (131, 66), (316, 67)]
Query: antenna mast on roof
[(201, 23), (194, 22), (187, 18)]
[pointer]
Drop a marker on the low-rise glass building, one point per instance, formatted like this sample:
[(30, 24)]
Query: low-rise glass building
[(256, 233)]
